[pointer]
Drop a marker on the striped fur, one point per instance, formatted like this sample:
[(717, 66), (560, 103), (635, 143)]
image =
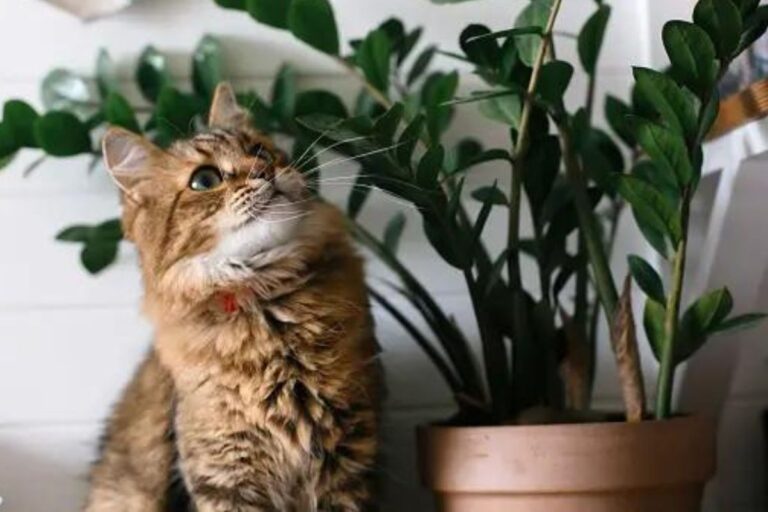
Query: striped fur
[(272, 407)]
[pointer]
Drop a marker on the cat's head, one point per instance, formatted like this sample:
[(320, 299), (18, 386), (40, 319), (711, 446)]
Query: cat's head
[(224, 195)]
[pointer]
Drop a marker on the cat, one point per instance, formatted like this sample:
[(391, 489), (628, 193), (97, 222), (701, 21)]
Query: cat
[(261, 389)]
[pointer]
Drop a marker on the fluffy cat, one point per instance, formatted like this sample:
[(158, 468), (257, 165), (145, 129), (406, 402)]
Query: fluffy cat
[(261, 390)]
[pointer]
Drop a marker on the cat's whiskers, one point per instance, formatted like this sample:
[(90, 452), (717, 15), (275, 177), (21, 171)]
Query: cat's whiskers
[(339, 161), (326, 149)]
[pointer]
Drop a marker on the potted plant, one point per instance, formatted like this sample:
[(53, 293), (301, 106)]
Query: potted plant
[(524, 436)]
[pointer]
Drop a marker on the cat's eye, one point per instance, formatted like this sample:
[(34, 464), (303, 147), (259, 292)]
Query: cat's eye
[(204, 178)]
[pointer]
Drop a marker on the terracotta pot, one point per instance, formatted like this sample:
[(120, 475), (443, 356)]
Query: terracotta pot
[(655, 466)]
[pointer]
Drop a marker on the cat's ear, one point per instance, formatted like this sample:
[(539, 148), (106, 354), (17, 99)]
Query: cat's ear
[(225, 112), (129, 158)]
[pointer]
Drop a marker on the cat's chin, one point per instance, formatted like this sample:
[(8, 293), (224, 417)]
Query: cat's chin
[(277, 225)]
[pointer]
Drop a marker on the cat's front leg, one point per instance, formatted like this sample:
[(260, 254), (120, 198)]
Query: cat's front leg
[(346, 475), (229, 470), (134, 466)]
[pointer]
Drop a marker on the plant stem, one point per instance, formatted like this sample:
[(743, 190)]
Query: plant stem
[(606, 288), (668, 363), (520, 151)]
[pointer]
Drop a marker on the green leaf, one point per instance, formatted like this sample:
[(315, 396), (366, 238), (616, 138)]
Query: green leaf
[(617, 113), (590, 39), (490, 155), (710, 309), (666, 148), (106, 78), (409, 139), (438, 89), (206, 66), (269, 12), (8, 146), (175, 115), (421, 64), (321, 102), (482, 51), (653, 321), (482, 219), (393, 232), (647, 278), (490, 194), (374, 57), (544, 161), (109, 230), (77, 233), (152, 74), (535, 14), (746, 7), (19, 118), (650, 206), (313, 22), (692, 54), (120, 113), (661, 181), (738, 322), (505, 109), (62, 134), (509, 33), (754, 27), (429, 167), (386, 126), (63, 90), (359, 194), (676, 107), (98, 255), (722, 21), (231, 4), (553, 82), (284, 91)]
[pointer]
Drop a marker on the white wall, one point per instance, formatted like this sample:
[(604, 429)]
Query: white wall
[(69, 341)]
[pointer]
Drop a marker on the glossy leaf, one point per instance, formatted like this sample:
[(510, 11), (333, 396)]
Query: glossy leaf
[(554, 80), (320, 101), (429, 167), (386, 126), (359, 194), (653, 321), (152, 74), (206, 66), (120, 113), (313, 22), (175, 114), (504, 109), (618, 113), (482, 51), (231, 4), (722, 21), (738, 322), (106, 78), (490, 194), (666, 148), (692, 53), (650, 206), (19, 119), (269, 12), (590, 40), (675, 105), (98, 255), (408, 140), (647, 278), (755, 26), (421, 64), (63, 90), (535, 14), (62, 134), (374, 58), (284, 91), (8, 146)]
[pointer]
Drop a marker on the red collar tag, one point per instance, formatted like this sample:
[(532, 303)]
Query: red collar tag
[(228, 302)]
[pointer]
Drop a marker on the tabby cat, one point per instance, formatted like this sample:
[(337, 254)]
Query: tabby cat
[(260, 391)]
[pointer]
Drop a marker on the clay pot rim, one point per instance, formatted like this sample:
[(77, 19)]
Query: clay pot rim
[(680, 419)]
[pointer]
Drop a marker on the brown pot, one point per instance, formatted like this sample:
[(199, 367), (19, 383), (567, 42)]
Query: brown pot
[(654, 466)]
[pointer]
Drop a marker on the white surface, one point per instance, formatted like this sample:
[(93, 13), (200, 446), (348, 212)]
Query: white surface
[(70, 341)]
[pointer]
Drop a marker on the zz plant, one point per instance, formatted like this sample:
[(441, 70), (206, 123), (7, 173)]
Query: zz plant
[(538, 343)]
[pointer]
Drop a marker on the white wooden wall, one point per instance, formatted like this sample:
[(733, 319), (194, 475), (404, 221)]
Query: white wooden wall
[(68, 341)]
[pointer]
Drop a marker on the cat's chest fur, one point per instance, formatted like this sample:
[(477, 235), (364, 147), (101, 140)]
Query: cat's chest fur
[(260, 369)]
